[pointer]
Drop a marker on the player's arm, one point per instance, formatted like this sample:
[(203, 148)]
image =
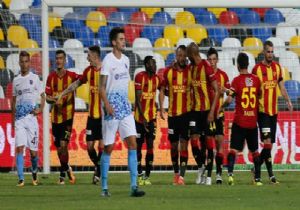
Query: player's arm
[(13, 111), (107, 107), (71, 88), (161, 98), (214, 84), (285, 95), (42, 105), (138, 94)]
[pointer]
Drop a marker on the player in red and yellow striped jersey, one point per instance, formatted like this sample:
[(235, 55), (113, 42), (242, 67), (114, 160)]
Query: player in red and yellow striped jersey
[(223, 84), (146, 84), (177, 80), (62, 112), (202, 120), (270, 74), (91, 75)]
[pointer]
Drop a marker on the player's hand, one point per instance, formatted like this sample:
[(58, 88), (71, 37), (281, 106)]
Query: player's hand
[(162, 114), (57, 99), (37, 111), (210, 117), (109, 110), (290, 105)]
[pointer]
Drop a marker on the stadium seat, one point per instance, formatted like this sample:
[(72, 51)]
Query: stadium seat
[(152, 33), (103, 35), (218, 34), (62, 11), (279, 46), (170, 58), (239, 33), (61, 35), (262, 33), (173, 33), (292, 17), (73, 21), (253, 45), (225, 59), (273, 17), (36, 63), (107, 10), (261, 11), (216, 11), (285, 74), (118, 19), (29, 44), (131, 33), (228, 18), (85, 35), (82, 92), (54, 21), (150, 11), (140, 43), (160, 62), (231, 46), (162, 18), (36, 3), (231, 71), (184, 19), (140, 19), (184, 41), (81, 61), (173, 11), (293, 89), (95, 19), (285, 31), (5, 44), (163, 43), (12, 63), (135, 61), (1, 35), (249, 17), (239, 11), (73, 47), (129, 10), (53, 43), (17, 34), (2, 95), (30, 21), (290, 60), (196, 11), (196, 32), (7, 19), (207, 42), (207, 18), (17, 5), (2, 63), (295, 45)]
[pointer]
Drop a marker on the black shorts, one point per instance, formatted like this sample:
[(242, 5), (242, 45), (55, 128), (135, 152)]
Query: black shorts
[(62, 131), (219, 126), (178, 127), (142, 133), (93, 129), (199, 124), (239, 135), (267, 126)]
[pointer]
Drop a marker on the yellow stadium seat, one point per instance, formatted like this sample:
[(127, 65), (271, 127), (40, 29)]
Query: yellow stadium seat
[(196, 32), (131, 92), (17, 34), (150, 11), (83, 92), (184, 19), (174, 33), (29, 44), (295, 42), (163, 42), (54, 21), (1, 34), (2, 64), (253, 45), (285, 74), (7, 2), (216, 11), (95, 19)]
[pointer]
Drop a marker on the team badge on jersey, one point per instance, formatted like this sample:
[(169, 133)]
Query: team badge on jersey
[(30, 82), (249, 82)]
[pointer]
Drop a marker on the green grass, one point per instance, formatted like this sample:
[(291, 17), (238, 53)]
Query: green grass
[(161, 195)]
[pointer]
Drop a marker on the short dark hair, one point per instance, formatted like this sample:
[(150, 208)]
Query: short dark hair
[(181, 47), (114, 33), (95, 49), (212, 51), (243, 60), (147, 59), (268, 43), (24, 54), (60, 52)]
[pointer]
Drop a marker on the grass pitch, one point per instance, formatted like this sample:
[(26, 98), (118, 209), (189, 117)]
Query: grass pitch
[(162, 195)]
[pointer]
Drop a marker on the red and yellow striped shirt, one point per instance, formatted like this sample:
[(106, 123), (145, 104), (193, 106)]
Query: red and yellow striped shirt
[(54, 86), (269, 77), (92, 75), (178, 83), (202, 76), (148, 86)]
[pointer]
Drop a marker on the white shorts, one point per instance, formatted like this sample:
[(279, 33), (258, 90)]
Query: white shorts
[(27, 132), (126, 128)]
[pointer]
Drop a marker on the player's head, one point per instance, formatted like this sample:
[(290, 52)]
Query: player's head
[(181, 58), (94, 55), (242, 61), (60, 59), (213, 57), (24, 61), (192, 52), (117, 38), (150, 64), (268, 51)]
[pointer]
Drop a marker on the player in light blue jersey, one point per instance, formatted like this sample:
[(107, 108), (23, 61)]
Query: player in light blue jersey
[(27, 89), (114, 81)]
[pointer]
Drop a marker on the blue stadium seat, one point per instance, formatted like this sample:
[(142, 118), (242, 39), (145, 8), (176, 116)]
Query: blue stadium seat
[(262, 33), (206, 18), (118, 19), (85, 35), (73, 21), (152, 33), (250, 17), (170, 58), (162, 18), (273, 17), (53, 43), (83, 10), (129, 10), (218, 34), (293, 89), (36, 3), (30, 21), (239, 11), (103, 35), (196, 11)]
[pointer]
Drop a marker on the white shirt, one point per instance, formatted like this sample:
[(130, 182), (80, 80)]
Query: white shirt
[(118, 79), (27, 90)]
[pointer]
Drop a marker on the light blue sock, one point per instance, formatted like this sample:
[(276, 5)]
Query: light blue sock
[(34, 164), (132, 165), (20, 166), (105, 161)]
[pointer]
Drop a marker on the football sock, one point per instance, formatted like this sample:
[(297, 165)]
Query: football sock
[(196, 152), (139, 157), (34, 164), (149, 161), (219, 162), (202, 151), (183, 162), (268, 159), (100, 151), (210, 155), (105, 161), (20, 165), (93, 156), (174, 158), (132, 165), (256, 161), (230, 161), (64, 160)]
